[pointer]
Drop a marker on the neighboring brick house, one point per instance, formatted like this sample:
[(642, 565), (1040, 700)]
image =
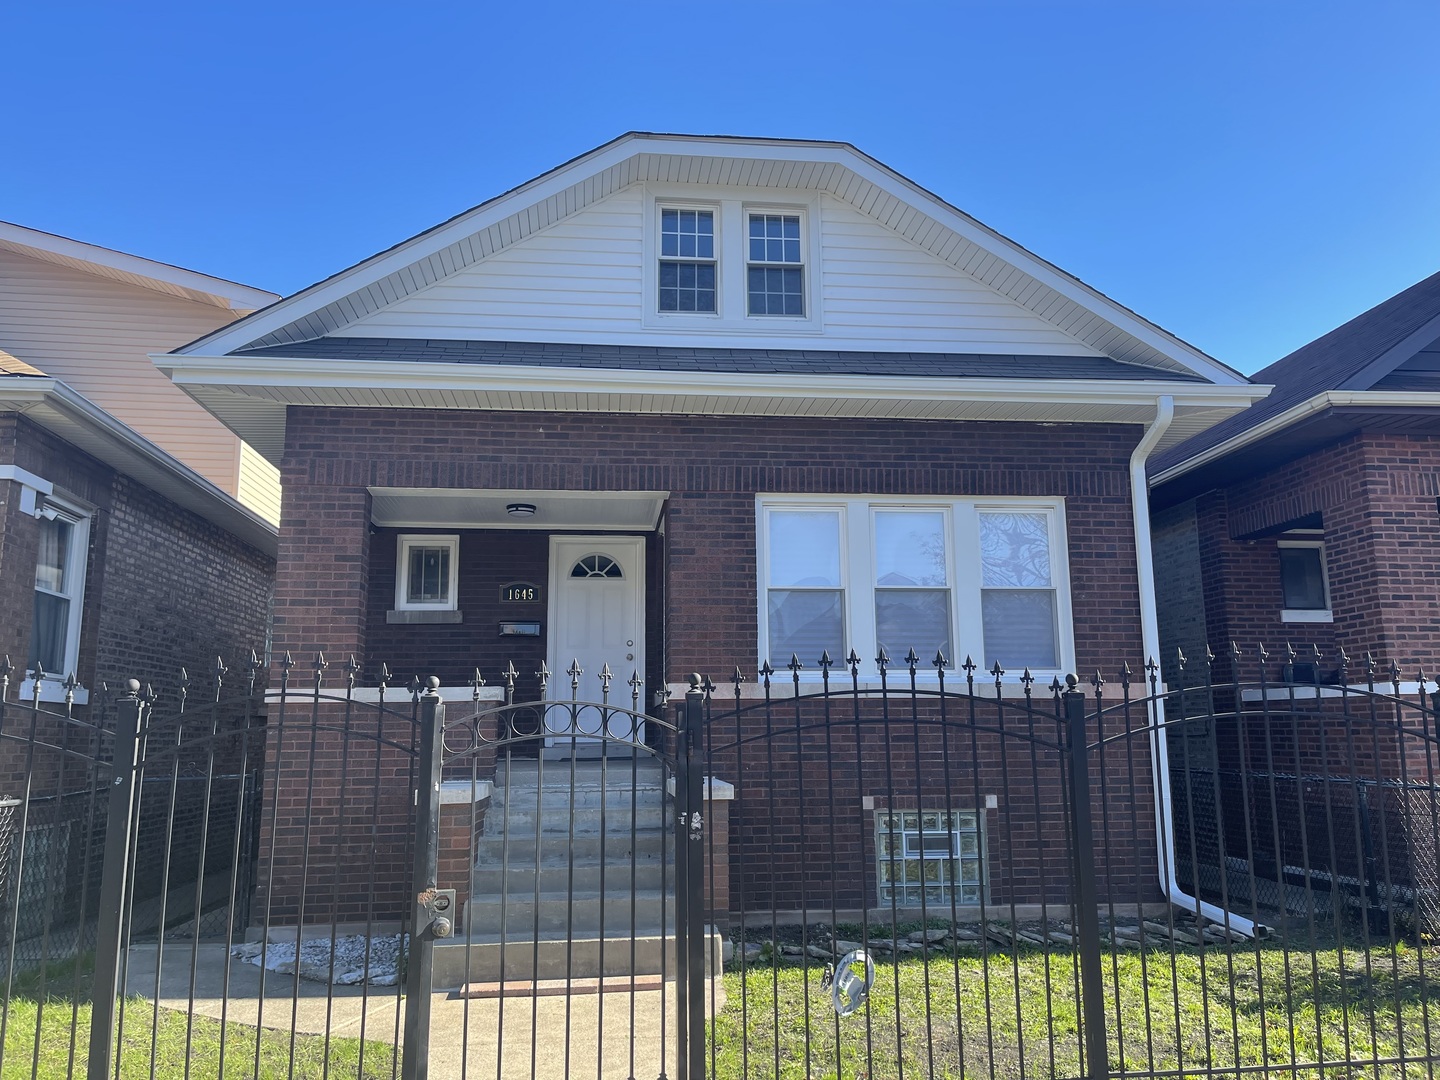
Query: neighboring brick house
[(1312, 518), (747, 387), (144, 564)]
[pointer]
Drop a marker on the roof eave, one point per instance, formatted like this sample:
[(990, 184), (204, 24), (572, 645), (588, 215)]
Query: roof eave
[(1294, 415), (57, 408)]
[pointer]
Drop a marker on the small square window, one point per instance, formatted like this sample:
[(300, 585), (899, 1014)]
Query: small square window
[(425, 573)]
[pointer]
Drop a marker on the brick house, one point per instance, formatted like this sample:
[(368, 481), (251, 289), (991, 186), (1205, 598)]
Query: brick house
[(119, 558), (1311, 518), (1311, 522), (145, 562), (687, 404)]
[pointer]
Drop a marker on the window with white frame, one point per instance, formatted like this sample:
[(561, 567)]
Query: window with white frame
[(1304, 582), (687, 260), (425, 573), (774, 268), (961, 577), (64, 544)]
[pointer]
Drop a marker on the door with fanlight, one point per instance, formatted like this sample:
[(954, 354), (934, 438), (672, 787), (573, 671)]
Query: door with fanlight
[(597, 617)]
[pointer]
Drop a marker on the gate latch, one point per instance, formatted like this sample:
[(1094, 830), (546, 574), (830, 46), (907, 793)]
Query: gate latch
[(437, 907), (697, 826)]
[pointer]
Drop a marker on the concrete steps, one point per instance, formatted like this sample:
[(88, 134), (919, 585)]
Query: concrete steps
[(602, 837)]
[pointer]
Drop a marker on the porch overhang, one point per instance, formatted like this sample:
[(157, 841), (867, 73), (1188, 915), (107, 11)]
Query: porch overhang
[(490, 508)]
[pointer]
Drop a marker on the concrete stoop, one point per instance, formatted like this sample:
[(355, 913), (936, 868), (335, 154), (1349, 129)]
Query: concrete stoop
[(571, 875)]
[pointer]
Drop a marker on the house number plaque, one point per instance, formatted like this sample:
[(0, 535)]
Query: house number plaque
[(520, 592)]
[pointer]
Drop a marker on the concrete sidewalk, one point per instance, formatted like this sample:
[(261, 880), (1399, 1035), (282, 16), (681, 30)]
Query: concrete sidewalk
[(466, 1036)]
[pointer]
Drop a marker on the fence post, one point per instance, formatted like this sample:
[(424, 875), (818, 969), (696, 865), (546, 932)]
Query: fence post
[(415, 1063), (1087, 914), (119, 832), (690, 890)]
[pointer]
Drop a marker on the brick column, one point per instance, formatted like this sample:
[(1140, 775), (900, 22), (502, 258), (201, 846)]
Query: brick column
[(322, 573)]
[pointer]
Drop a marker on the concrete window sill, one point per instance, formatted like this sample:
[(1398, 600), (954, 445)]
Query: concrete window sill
[(415, 617), (1304, 615)]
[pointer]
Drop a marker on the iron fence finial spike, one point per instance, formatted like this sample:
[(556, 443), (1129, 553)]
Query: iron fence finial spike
[(707, 685), (766, 670), (383, 679), (6, 667), (636, 682), (969, 665), (1180, 658), (287, 661), (882, 658), (996, 669), (794, 665), (1235, 652), (1289, 652), (1262, 653), (739, 676), (1055, 685), (939, 662), (220, 669)]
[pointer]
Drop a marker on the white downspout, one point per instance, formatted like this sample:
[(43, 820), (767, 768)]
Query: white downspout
[(1150, 638)]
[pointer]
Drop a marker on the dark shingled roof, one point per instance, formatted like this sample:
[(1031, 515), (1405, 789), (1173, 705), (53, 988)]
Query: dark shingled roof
[(1336, 361), (735, 361)]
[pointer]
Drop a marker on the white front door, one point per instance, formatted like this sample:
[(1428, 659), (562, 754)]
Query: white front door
[(597, 616)]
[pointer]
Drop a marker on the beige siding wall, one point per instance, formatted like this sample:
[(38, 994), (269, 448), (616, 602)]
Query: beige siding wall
[(97, 334), (259, 484)]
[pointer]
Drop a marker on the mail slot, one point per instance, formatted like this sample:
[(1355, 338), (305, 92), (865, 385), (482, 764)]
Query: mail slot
[(519, 629)]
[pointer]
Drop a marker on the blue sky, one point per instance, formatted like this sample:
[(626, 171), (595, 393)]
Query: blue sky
[(1246, 175)]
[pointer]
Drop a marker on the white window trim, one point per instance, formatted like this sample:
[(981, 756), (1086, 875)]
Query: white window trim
[(654, 258), (51, 507), (857, 588), (1309, 615), (804, 265), (732, 208), (403, 543)]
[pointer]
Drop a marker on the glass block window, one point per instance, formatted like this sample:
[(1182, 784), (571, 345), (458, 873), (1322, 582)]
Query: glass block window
[(687, 260), (1017, 595), (425, 573), (929, 854), (775, 270)]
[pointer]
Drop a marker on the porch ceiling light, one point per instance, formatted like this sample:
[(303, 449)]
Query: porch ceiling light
[(520, 510)]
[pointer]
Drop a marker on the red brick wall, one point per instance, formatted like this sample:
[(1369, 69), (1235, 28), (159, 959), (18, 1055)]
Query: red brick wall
[(336, 574), (713, 467), (1376, 493)]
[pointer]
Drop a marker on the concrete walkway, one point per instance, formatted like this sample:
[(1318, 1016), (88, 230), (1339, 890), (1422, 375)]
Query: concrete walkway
[(466, 1036)]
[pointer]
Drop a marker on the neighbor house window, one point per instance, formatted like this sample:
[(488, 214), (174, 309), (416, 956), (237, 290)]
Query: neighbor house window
[(775, 271), (425, 577), (1304, 584), (929, 855), (687, 260), (64, 534), (955, 577)]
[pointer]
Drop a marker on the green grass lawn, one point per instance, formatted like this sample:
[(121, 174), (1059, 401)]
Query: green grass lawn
[(169, 1047), (63, 1030), (1218, 1014)]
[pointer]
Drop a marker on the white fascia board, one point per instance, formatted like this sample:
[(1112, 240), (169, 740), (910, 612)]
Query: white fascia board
[(466, 224), (126, 450), (1388, 399), (231, 294), (274, 373)]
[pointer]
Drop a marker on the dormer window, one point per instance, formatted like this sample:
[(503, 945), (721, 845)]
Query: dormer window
[(687, 260), (775, 269)]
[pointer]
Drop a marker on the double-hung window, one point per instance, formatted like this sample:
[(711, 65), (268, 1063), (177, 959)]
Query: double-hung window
[(64, 539), (775, 269), (687, 260), (959, 577)]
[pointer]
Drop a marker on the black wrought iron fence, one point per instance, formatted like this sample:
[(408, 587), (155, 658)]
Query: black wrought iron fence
[(930, 871)]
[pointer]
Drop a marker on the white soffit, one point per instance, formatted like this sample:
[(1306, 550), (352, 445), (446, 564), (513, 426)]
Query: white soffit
[(474, 508), (838, 169)]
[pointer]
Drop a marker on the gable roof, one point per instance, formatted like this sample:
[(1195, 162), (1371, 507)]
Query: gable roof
[(1354, 357), (132, 269), (835, 168)]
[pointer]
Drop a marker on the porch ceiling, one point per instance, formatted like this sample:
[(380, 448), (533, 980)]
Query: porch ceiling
[(487, 508)]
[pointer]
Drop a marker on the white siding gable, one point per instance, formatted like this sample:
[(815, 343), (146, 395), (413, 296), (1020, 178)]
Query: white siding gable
[(583, 279)]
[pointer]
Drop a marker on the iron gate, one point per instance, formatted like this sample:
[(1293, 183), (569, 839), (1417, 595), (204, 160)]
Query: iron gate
[(933, 871)]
